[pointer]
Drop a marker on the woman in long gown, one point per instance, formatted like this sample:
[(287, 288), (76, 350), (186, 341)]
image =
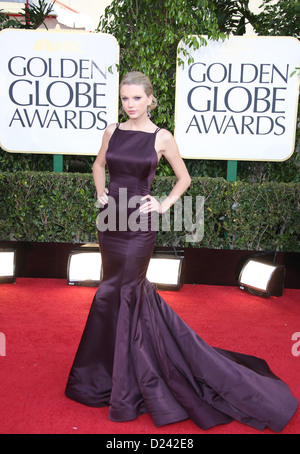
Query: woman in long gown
[(136, 355)]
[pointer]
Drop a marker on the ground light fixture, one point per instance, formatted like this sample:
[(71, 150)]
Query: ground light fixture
[(262, 278), (85, 268), (8, 265), (165, 269)]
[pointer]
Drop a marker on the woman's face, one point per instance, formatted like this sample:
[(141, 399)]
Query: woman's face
[(134, 100)]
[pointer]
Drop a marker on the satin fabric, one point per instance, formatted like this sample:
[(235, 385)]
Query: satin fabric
[(136, 355)]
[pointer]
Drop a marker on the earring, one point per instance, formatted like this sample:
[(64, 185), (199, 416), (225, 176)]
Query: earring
[(148, 112)]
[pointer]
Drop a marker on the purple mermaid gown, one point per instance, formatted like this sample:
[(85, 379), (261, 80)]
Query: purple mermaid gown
[(136, 354)]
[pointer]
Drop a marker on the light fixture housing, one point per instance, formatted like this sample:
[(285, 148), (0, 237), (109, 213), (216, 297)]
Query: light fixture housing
[(262, 278), (165, 270), (85, 266), (8, 260)]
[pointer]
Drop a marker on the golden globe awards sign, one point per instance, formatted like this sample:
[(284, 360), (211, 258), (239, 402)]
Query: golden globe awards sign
[(57, 91), (238, 99)]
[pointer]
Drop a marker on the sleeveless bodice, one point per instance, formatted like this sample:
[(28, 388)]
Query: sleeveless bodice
[(131, 160)]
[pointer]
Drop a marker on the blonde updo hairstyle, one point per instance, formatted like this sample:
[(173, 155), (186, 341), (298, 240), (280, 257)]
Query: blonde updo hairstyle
[(138, 78)]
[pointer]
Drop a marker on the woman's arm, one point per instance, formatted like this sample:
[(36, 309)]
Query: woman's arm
[(167, 147), (170, 151), (99, 166)]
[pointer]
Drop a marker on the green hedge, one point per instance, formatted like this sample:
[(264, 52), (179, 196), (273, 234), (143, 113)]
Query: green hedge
[(60, 207)]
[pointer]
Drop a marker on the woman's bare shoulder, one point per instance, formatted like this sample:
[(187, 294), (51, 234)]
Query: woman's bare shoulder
[(165, 134), (110, 129), (165, 137)]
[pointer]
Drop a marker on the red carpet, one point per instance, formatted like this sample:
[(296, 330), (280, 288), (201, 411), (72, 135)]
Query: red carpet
[(42, 321)]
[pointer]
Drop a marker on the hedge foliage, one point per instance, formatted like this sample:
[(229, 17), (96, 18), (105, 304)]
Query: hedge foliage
[(60, 207)]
